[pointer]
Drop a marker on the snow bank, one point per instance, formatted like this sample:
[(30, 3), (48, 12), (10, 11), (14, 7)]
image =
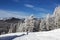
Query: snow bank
[(50, 35)]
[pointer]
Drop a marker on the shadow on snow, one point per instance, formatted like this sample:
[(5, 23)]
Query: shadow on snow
[(10, 37)]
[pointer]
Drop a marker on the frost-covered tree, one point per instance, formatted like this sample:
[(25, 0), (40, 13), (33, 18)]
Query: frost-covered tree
[(36, 24), (57, 16), (27, 25), (50, 22), (43, 25)]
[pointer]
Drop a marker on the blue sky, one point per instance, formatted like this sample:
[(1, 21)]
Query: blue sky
[(23, 8)]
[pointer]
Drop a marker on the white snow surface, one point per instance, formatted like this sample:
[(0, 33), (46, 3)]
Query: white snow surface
[(46, 35), (50, 35), (12, 34)]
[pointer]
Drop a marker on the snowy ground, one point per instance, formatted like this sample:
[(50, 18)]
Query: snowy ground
[(11, 36), (50, 35)]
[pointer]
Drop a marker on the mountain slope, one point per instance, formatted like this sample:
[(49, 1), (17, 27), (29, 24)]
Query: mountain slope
[(51, 35)]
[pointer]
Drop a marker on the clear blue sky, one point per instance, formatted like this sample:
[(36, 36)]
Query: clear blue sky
[(22, 8)]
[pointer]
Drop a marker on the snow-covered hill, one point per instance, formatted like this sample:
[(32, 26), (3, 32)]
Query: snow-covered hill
[(49, 35)]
